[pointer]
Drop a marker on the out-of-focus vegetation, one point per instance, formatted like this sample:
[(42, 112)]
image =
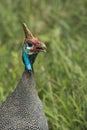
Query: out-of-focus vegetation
[(60, 73)]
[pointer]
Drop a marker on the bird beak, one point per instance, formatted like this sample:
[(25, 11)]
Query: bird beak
[(42, 47)]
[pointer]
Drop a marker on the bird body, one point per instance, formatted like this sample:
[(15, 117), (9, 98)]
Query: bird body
[(23, 109)]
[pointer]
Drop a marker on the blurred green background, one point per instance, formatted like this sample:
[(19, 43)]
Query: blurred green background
[(61, 72)]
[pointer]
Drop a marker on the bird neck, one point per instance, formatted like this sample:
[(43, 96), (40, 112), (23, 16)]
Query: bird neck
[(28, 60), (32, 58), (27, 84), (26, 89)]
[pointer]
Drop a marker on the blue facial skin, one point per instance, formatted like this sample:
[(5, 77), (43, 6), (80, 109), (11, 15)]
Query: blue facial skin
[(27, 61), (25, 55)]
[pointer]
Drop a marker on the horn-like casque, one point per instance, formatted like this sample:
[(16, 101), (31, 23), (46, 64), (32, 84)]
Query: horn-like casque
[(28, 34)]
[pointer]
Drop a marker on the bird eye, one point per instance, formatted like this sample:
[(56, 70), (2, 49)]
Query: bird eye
[(30, 44)]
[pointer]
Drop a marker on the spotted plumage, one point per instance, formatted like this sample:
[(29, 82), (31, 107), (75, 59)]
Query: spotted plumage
[(23, 109)]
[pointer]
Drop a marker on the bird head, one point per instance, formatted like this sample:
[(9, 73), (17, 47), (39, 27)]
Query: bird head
[(31, 47)]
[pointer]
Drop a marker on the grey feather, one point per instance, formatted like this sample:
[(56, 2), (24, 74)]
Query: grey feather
[(23, 109)]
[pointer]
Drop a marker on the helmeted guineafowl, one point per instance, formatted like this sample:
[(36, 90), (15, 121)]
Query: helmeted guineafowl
[(23, 109)]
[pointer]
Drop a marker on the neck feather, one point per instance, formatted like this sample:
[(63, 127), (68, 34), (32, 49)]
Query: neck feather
[(25, 91), (27, 83)]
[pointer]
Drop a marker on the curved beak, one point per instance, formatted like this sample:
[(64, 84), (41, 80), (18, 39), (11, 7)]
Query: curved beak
[(42, 47)]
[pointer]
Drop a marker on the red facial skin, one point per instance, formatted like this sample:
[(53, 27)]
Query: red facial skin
[(37, 44)]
